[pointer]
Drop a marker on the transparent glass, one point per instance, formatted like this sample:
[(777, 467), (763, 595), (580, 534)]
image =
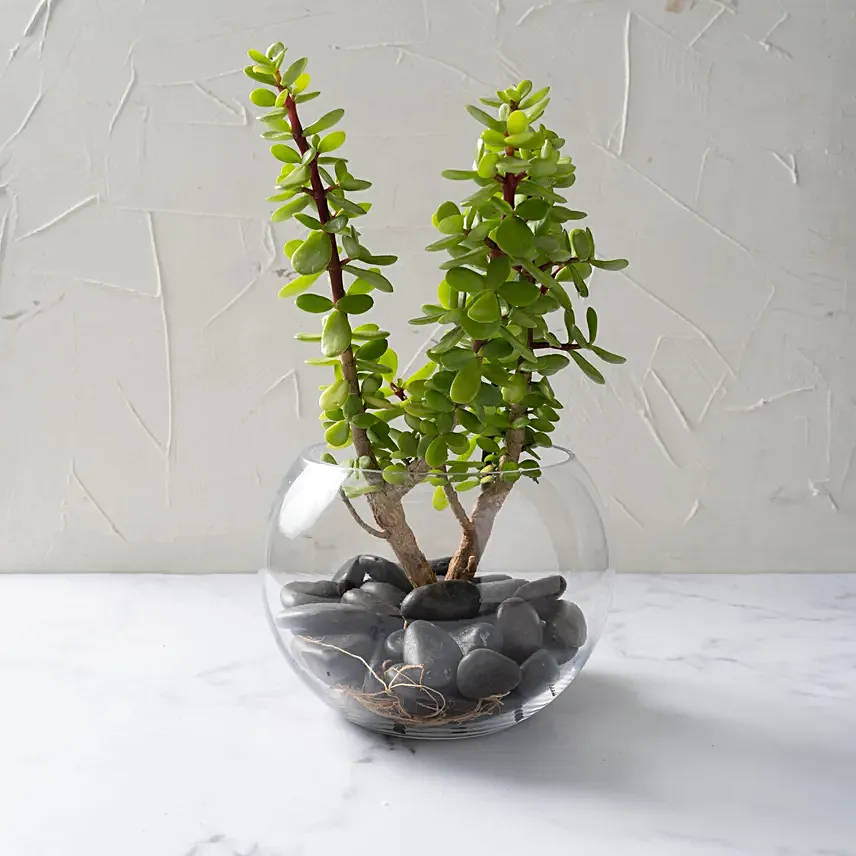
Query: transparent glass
[(466, 658)]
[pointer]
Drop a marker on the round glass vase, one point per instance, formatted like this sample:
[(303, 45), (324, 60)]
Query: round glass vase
[(457, 658)]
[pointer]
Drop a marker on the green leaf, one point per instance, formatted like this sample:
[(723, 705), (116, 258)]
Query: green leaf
[(486, 119), (332, 141), (313, 255), (355, 304), (549, 364), (338, 434), (484, 309), (333, 396), (258, 76), (336, 224), (289, 210), (305, 96), (474, 257), (371, 351), (588, 369), (315, 303), (297, 177), (609, 264), (309, 221), (582, 244), (286, 154), (498, 271), (263, 98), (532, 209), (295, 287), (607, 356), (258, 57), (290, 246), (465, 279), (514, 237), (459, 174), (326, 121), (335, 334), (293, 72), (342, 204), (519, 348), (519, 292), (373, 277), (467, 383), (579, 282), (591, 320), (561, 214), (435, 455), (451, 225)]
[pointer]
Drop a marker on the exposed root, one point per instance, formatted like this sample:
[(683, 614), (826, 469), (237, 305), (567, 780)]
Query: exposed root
[(385, 703)]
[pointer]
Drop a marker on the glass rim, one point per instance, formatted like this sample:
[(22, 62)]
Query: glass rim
[(312, 455)]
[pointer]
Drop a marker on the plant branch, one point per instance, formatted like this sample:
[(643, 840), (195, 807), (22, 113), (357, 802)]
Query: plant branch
[(385, 505), (458, 508), (362, 523)]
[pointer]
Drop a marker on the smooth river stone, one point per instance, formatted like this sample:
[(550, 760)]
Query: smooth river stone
[(491, 578), (336, 667), (320, 619), (393, 646), (383, 571), (435, 651), (384, 592), (521, 629), (445, 601), (289, 598), (479, 635), (440, 566), (360, 597), (539, 672), (546, 607), (484, 672), (552, 586), (349, 576), (494, 593), (567, 628)]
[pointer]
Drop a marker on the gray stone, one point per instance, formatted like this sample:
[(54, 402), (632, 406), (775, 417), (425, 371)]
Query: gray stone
[(444, 601), (290, 598), (521, 629), (384, 592), (539, 672), (320, 619), (484, 672), (336, 660), (564, 655), (494, 593), (349, 576), (383, 571), (478, 635), (491, 578), (567, 628), (546, 607), (434, 651), (552, 586), (318, 588), (440, 566), (360, 597), (393, 646)]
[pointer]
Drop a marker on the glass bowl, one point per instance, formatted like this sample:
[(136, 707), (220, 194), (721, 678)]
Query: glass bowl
[(456, 658)]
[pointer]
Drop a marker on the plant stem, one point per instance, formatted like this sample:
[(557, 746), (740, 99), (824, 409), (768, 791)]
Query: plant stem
[(387, 510), (465, 562)]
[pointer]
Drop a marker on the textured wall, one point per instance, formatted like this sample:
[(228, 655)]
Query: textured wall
[(152, 394)]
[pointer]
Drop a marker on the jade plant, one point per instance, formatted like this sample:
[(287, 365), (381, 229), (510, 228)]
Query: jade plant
[(475, 415)]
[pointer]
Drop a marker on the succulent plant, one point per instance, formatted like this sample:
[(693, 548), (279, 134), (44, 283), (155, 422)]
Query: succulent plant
[(476, 414)]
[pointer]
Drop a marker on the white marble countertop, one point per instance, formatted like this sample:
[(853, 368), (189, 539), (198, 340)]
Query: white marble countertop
[(154, 716)]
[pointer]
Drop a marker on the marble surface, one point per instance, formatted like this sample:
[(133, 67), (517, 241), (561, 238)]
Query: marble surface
[(153, 716)]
